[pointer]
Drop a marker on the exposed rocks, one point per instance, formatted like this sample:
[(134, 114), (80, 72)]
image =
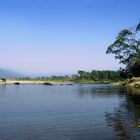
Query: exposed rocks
[(3, 81), (47, 84), (17, 83)]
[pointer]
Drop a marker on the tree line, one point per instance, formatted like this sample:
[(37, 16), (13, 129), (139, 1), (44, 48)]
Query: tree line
[(98, 75), (94, 75)]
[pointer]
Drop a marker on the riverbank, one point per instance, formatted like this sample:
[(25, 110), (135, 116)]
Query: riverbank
[(133, 82), (33, 82), (53, 82), (84, 81)]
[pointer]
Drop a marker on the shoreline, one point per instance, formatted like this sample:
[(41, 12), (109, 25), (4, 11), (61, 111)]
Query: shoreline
[(54, 82), (33, 82), (133, 82)]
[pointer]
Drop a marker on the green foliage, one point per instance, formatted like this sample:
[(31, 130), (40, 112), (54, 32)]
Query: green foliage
[(126, 48), (24, 78), (43, 78), (138, 27), (96, 75), (104, 76), (58, 78)]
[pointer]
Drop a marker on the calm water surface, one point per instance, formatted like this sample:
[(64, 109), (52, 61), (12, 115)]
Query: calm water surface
[(87, 112)]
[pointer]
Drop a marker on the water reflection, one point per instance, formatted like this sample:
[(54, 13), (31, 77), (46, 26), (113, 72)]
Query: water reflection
[(126, 118), (98, 90), (2, 87)]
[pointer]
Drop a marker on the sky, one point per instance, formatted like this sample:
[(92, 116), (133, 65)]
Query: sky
[(62, 36)]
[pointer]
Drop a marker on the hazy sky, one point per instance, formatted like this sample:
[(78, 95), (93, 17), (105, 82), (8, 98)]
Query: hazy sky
[(62, 36)]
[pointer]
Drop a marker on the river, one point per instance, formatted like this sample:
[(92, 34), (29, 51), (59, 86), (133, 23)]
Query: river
[(65, 112)]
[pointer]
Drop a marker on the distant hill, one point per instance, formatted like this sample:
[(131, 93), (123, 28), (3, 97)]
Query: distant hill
[(9, 74)]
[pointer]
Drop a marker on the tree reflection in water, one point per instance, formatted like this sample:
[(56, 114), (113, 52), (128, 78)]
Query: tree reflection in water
[(126, 118)]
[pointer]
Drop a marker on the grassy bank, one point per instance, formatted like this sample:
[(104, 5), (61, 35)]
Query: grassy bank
[(133, 82)]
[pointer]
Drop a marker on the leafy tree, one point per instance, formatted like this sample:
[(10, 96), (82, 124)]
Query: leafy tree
[(81, 73), (123, 73), (126, 48), (94, 75)]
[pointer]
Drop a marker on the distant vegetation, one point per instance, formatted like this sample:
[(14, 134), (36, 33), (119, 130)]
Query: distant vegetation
[(83, 76), (44, 78), (96, 75)]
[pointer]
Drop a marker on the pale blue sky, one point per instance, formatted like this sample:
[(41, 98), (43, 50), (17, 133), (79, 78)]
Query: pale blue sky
[(62, 36)]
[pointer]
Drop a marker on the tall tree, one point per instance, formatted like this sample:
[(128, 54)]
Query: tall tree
[(126, 48), (81, 74)]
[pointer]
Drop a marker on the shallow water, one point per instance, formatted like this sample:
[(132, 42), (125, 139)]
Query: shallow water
[(62, 112)]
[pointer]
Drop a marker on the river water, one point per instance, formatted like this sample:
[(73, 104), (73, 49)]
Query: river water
[(64, 112)]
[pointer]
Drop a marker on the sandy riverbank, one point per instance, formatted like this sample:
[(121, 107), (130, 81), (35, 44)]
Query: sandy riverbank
[(31, 82)]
